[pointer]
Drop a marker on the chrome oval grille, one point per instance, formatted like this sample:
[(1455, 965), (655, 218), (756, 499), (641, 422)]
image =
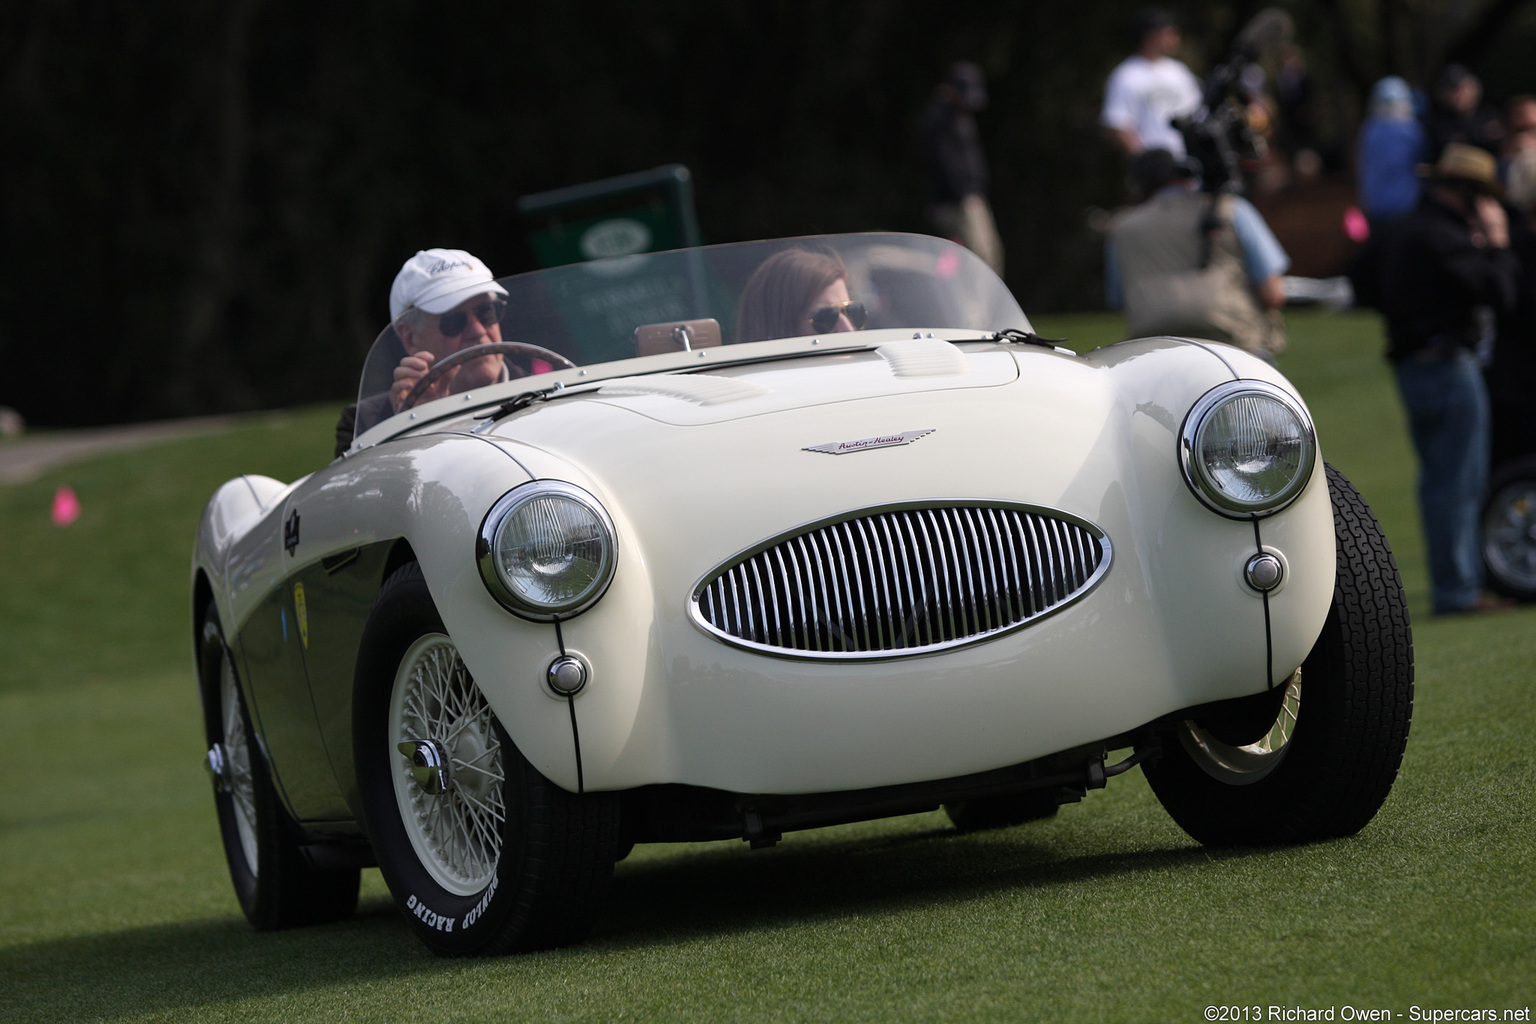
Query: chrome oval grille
[(893, 581)]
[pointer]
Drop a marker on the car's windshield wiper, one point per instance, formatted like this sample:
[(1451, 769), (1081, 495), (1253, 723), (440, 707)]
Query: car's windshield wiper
[(521, 402), (1013, 334)]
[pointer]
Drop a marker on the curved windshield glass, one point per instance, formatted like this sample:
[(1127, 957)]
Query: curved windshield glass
[(626, 308)]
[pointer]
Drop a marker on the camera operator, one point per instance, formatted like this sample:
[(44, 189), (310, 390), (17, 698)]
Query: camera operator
[(1195, 258), (1194, 263)]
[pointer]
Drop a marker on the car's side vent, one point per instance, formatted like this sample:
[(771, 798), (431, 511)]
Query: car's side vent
[(892, 581)]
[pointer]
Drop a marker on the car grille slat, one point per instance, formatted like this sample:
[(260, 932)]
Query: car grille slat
[(894, 581), (848, 551), (940, 621), (880, 593), (1005, 576)]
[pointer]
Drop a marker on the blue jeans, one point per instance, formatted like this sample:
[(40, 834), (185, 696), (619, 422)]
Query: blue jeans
[(1448, 415)]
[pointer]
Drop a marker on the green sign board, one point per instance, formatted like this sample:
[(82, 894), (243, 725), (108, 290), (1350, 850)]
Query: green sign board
[(649, 211)]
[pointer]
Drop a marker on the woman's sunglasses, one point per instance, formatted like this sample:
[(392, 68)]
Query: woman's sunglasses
[(825, 318), (451, 325)]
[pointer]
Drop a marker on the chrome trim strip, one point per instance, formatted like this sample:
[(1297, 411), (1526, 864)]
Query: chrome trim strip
[(921, 622), (860, 610), (946, 599), (882, 596), (899, 619)]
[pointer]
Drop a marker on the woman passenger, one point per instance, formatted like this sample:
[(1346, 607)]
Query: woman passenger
[(797, 292)]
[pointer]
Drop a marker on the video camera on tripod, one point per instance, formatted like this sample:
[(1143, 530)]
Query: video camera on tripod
[(1221, 136)]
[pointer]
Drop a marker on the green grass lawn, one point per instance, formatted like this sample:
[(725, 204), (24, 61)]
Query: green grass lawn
[(115, 904)]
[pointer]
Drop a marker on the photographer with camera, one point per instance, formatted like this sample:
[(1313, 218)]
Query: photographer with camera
[(1193, 263), (1195, 258), (1443, 277)]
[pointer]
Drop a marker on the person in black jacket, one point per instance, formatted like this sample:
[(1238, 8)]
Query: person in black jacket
[(957, 165), (1442, 277), (1456, 114)]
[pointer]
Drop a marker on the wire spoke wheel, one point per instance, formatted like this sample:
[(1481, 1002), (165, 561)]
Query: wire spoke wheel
[(237, 760), (483, 854), (456, 825), (1509, 536), (1239, 764), (277, 883)]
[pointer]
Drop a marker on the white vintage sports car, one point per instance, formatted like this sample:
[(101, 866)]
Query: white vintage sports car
[(685, 571)]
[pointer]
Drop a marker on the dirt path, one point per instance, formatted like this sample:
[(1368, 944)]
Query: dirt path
[(27, 457)]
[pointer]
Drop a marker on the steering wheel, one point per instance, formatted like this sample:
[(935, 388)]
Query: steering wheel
[(492, 348)]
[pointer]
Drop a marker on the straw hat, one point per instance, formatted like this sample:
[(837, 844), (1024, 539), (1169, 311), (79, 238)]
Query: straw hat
[(1463, 163)]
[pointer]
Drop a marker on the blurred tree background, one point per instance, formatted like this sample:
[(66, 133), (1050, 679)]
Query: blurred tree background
[(227, 187)]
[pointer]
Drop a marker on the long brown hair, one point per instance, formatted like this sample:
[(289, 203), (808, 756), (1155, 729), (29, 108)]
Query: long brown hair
[(781, 288)]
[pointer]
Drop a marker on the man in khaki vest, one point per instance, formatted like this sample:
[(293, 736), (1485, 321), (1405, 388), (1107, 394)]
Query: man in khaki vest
[(1195, 264)]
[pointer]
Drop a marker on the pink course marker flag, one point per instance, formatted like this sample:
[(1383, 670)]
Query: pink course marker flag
[(1355, 225), (66, 507)]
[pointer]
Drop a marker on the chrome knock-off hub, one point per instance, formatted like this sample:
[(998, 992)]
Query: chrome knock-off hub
[(429, 765)]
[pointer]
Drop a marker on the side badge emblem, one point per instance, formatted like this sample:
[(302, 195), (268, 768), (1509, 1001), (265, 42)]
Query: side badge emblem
[(868, 443), (301, 613), (291, 531)]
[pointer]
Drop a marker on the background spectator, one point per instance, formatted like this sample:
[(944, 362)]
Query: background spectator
[(1392, 143), (958, 166), (1440, 276), (1520, 152), (1194, 263), (1150, 88), (1296, 134), (1456, 114)]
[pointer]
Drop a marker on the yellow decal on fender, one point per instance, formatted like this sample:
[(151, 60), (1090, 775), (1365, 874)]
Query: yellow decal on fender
[(301, 614)]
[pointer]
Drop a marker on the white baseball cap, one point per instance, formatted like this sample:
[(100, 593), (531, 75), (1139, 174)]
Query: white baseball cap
[(436, 280)]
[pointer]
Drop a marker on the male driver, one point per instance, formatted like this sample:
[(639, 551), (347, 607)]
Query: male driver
[(1194, 263), (442, 301), (1149, 89)]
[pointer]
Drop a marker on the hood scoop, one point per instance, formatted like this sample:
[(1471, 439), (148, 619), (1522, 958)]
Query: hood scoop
[(924, 357), (696, 388)]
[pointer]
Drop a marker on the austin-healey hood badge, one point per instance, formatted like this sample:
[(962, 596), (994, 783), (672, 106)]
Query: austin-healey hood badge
[(864, 445)]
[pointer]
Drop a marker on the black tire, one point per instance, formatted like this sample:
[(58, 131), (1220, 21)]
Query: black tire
[(275, 883), (1003, 811), (467, 886), (1328, 761), (1509, 530)]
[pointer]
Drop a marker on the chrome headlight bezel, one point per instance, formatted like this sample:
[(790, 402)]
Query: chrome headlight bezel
[(505, 588), (1198, 475)]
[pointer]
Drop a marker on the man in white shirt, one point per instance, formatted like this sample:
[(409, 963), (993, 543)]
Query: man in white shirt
[(1149, 89)]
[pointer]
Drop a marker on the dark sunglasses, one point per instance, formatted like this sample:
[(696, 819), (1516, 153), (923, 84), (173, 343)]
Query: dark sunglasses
[(451, 325), (825, 318)]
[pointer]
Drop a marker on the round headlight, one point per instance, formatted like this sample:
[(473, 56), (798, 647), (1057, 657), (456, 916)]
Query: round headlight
[(1247, 448), (546, 550)]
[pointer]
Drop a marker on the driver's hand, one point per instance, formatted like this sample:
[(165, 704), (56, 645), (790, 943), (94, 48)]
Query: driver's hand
[(411, 369)]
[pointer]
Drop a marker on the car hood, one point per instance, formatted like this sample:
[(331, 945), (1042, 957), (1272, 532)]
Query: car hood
[(899, 368), (702, 467)]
